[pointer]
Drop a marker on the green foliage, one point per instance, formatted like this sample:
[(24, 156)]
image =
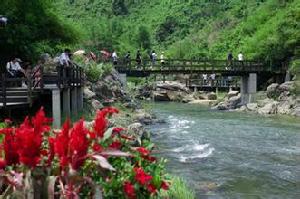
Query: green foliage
[(94, 71), (261, 29), (179, 190), (33, 28)]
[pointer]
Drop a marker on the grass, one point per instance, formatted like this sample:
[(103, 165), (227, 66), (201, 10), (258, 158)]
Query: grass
[(178, 190)]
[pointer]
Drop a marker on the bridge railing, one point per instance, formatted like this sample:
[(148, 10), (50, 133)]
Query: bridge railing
[(186, 65)]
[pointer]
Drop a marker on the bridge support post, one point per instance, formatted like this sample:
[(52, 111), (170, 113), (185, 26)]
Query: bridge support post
[(56, 111), (74, 101), (248, 88), (80, 98), (66, 100), (123, 78), (287, 76), (244, 90), (252, 86)]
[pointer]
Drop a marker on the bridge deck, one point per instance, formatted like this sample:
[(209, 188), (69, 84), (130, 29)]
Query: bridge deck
[(175, 66)]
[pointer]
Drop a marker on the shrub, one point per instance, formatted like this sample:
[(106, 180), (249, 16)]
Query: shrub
[(77, 161)]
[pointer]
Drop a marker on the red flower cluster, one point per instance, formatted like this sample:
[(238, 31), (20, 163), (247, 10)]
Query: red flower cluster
[(29, 136), (142, 177), (145, 154), (100, 121), (128, 189), (71, 145)]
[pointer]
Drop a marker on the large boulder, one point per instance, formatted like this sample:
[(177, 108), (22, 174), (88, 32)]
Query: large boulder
[(287, 86), (232, 94), (234, 102), (175, 95), (296, 111), (160, 96), (272, 91), (172, 86), (88, 94), (143, 117), (269, 108), (286, 106), (103, 90), (252, 106)]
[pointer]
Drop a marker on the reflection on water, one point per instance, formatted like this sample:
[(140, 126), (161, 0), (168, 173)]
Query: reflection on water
[(230, 155)]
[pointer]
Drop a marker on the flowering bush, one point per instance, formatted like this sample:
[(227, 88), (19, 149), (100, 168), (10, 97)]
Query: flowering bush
[(77, 162)]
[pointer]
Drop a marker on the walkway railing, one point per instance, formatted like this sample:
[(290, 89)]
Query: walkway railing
[(63, 77), (173, 65)]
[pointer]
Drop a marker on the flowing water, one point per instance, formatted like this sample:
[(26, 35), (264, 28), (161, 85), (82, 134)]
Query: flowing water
[(229, 154)]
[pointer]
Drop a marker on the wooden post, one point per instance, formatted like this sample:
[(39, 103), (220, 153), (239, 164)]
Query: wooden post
[(29, 91)]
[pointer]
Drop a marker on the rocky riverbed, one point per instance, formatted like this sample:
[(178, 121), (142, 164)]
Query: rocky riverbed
[(277, 99)]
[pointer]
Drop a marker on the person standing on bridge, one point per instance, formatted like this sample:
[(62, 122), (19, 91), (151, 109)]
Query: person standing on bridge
[(138, 59), (127, 59), (153, 57), (240, 57), (162, 59), (114, 57), (229, 60)]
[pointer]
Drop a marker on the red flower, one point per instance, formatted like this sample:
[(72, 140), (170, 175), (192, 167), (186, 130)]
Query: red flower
[(150, 158), (128, 189), (127, 137), (2, 164), (97, 147), (117, 131), (116, 145), (164, 185), (10, 146), (78, 144), (143, 151), (142, 177), (100, 124), (151, 188)]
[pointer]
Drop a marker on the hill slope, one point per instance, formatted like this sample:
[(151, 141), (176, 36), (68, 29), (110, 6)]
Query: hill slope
[(261, 29)]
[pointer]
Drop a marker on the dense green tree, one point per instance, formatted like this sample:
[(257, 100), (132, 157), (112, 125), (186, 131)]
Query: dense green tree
[(143, 38), (32, 28)]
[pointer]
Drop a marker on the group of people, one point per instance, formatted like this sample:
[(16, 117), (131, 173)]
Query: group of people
[(16, 68), (230, 57), (138, 58)]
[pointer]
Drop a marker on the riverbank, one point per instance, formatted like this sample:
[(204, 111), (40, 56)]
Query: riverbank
[(278, 99)]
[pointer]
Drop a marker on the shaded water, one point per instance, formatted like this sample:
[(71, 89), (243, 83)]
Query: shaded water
[(228, 154)]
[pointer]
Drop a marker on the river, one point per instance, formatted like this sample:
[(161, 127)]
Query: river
[(229, 154)]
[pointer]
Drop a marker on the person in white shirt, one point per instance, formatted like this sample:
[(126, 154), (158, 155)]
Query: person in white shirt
[(114, 58), (240, 57), (14, 69), (64, 58), (153, 57)]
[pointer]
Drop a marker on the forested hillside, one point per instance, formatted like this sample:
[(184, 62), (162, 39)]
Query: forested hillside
[(261, 29)]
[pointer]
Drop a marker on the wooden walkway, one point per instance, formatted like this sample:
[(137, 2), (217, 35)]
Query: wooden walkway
[(13, 95), (182, 66)]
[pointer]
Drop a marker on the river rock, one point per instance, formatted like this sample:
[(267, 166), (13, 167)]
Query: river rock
[(287, 86), (88, 94), (96, 104), (234, 102), (138, 131), (296, 111), (252, 106), (232, 94), (172, 86), (286, 106), (175, 95), (143, 117), (269, 108), (272, 90), (211, 96), (188, 98), (160, 96)]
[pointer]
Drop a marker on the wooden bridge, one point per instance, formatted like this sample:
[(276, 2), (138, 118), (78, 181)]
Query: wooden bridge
[(184, 66), (63, 80)]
